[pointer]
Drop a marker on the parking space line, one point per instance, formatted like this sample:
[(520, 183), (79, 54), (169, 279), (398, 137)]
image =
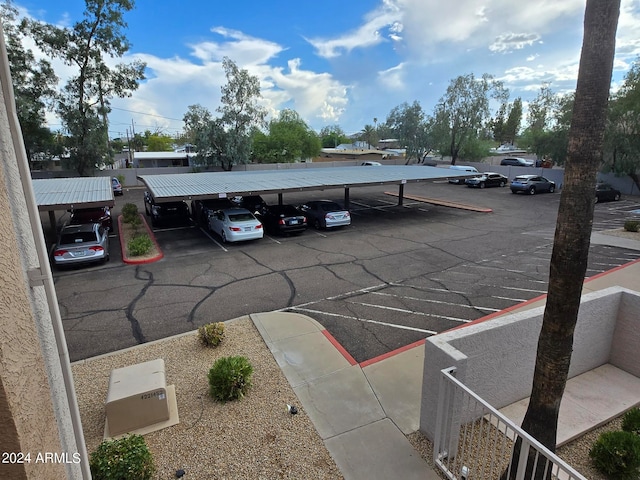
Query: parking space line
[(273, 239), (365, 320), (366, 207), (518, 300), (213, 239), (413, 312), (440, 302)]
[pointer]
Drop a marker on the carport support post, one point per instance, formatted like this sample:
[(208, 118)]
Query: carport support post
[(52, 221), (346, 198), (400, 193), (280, 198)]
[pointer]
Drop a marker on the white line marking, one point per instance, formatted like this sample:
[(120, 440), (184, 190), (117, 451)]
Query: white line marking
[(402, 327), (427, 300), (412, 312), (213, 239), (510, 299)]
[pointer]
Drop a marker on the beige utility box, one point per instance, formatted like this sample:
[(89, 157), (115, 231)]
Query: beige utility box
[(137, 397)]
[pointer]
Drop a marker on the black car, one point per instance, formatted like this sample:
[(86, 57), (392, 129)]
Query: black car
[(487, 179), (202, 209), (605, 192), (517, 162), (283, 219), (253, 203), (165, 212), (101, 215)]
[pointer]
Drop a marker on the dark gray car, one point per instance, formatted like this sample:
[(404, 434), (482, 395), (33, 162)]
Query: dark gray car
[(532, 184)]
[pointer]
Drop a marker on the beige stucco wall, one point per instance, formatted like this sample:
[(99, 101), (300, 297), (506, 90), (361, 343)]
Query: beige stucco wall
[(25, 398)]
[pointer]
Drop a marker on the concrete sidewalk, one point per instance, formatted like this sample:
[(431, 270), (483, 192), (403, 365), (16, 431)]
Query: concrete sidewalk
[(363, 411)]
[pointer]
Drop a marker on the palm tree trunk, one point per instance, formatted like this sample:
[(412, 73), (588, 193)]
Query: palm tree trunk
[(573, 227)]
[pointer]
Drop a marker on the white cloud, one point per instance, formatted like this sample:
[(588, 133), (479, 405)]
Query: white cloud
[(508, 42), (387, 16), (393, 78)]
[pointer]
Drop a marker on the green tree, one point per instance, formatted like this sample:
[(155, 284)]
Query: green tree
[(332, 135), (540, 121), (85, 100), (207, 134), (34, 84), (573, 227), (240, 112), (514, 119), (369, 135), (462, 112), (622, 146), (288, 139), (408, 124)]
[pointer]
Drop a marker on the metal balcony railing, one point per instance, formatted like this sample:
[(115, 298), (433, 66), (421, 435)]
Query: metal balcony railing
[(473, 441)]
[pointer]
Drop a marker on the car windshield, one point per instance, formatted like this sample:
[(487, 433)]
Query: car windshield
[(240, 217), (77, 237)]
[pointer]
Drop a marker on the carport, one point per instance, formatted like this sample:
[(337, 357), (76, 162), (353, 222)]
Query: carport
[(201, 186), (67, 193)]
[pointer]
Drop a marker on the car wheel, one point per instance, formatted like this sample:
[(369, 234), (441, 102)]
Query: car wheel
[(616, 197), (552, 189), (514, 192), (502, 184), (316, 224), (482, 185), (532, 191), (146, 209), (223, 237)]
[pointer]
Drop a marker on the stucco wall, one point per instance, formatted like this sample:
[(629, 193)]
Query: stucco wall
[(496, 358)]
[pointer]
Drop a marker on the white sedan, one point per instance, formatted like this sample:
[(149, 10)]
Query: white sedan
[(235, 225)]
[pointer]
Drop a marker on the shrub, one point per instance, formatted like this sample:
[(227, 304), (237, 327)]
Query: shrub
[(617, 454), (230, 378), (130, 214), (211, 334), (139, 245), (632, 225), (631, 421), (127, 457)]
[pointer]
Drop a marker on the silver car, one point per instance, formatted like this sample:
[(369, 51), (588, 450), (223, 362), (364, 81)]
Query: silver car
[(235, 225), (532, 184), (325, 214), (78, 244)]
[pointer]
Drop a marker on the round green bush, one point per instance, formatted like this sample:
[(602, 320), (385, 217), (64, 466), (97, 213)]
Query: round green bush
[(632, 225), (139, 245), (125, 458), (211, 334), (617, 455), (230, 378), (631, 421), (130, 213)]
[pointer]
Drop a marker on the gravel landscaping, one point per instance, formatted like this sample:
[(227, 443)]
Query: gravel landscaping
[(253, 438)]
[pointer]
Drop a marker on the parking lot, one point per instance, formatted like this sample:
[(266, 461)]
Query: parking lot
[(395, 276)]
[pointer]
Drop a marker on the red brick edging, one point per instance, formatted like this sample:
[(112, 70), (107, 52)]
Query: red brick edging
[(123, 247)]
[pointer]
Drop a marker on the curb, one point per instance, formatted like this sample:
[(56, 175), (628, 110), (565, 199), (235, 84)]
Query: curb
[(123, 249)]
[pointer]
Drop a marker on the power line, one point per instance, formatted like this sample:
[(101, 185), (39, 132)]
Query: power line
[(149, 114)]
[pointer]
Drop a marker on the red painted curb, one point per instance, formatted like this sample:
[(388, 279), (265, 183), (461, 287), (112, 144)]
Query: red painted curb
[(339, 347), (123, 248), (391, 353), (478, 320)]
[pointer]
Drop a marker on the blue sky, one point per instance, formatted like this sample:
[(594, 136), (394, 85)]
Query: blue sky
[(343, 62)]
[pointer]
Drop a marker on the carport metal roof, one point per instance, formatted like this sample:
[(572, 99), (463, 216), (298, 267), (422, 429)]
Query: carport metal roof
[(190, 186), (66, 193)]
